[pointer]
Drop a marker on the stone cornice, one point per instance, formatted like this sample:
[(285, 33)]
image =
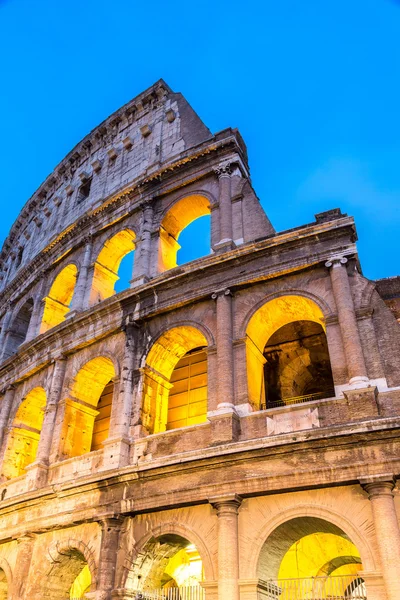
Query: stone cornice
[(260, 453)]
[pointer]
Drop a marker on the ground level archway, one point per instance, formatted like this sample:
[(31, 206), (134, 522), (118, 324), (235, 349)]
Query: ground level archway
[(310, 557), (169, 564)]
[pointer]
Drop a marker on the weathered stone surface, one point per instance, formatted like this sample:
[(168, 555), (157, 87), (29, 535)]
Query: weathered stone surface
[(241, 481)]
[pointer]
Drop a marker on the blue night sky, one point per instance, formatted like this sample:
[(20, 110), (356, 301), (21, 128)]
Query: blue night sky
[(313, 87)]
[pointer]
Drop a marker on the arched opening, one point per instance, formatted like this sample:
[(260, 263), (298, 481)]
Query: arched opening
[(88, 408), (19, 329), (57, 303), (175, 381), (24, 436), (168, 565), (287, 353), (309, 557), (3, 586), (297, 366), (69, 577), (179, 216), (107, 266)]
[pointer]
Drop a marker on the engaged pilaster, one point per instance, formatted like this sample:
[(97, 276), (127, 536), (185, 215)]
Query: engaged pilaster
[(110, 531), (38, 470), (357, 370), (141, 267), (380, 491), (225, 422), (227, 508), (5, 410), (81, 293), (226, 242)]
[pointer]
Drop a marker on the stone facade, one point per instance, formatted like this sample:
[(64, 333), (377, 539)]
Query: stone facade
[(243, 480)]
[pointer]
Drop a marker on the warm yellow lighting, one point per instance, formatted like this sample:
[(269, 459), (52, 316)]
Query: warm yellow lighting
[(81, 408), (181, 214), (107, 265), (319, 554), (81, 584), (161, 361), (185, 568), (57, 303), (266, 320), (24, 436)]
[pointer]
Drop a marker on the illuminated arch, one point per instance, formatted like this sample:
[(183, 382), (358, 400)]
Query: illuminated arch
[(308, 547), (5, 579), (178, 217), (72, 571), (24, 436), (19, 328), (263, 323), (107, 265), (58, 301), (155, 549), (162, 359), (81, 411)]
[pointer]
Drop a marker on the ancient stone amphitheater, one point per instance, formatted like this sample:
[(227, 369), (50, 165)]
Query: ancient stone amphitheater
[(227, 428)]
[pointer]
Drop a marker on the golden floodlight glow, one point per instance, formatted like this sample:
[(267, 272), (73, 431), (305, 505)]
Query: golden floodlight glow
[(266, 320), (57, 303), (179, 216), (161, 361), (81, 584), (24, 436), (185, 568), (319, 555), (80, 410), (107, 265)]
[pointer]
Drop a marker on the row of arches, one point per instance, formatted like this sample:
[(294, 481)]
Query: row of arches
[(287, 361), (113, 268), (307, 549)]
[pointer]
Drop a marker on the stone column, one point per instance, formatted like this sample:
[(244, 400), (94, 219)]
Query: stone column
[(117, 446), (380, 491), (225, 423), (38, 470), (226, 242), (227, 508), (34, 324), (357, 370), (26, 545), (110, 530), (80, 294), (141, 267), (4, 329), (5, 410), (224, 348)]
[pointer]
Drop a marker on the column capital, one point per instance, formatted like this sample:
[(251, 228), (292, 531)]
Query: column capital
[(223, 170), (226, 503), (378, 485), (225, 292), (115, 522), (336, 261)]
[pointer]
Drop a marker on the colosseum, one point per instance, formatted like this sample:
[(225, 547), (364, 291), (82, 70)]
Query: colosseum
[(223, 429)]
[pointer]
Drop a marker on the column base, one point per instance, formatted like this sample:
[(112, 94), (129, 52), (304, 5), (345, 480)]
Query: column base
[(211, 589), (122, 594), (36, 475), (374, 584), (251, 589), (362, 402), (225, 426), (224, 246), (139, 280), (116, 452)]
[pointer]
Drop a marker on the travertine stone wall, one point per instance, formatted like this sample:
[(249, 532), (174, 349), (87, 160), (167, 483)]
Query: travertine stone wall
[(246, 483)]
